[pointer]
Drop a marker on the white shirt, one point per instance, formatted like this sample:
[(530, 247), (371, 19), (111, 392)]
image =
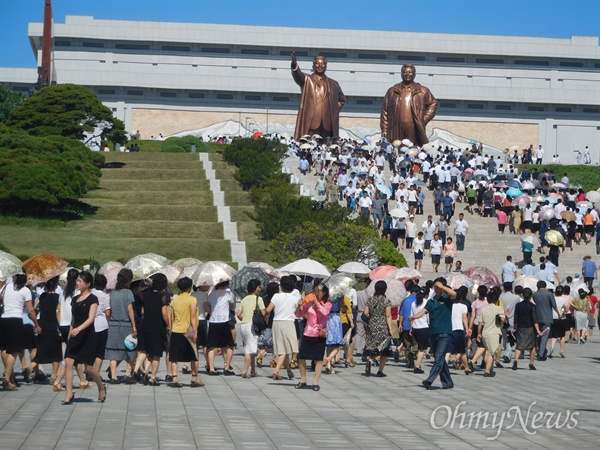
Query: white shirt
[(65, 308), (461, 226), (411, 229), (436, 247), (201, 297), (285, 306), (421, 322), (14, 301), (219, 301), (100, 322), (418, 245), (508, 271), (365, 202), (458, 309)]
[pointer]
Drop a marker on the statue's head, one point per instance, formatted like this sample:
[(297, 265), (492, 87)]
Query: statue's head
[(319, 65), (408, 73)]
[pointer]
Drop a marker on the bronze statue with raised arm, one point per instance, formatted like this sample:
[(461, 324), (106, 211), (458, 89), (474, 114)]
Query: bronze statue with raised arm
[(407, 109), (321, 103)]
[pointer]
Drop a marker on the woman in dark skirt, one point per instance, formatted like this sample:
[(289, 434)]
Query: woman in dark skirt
[(49, 342), (101, 321), (314, 340), (184, 332), (81, 346), (152, 340), (526, 327), (379, 330)]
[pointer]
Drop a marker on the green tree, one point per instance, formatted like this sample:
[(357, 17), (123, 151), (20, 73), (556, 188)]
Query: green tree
[(8, 101), (43, 176), (67, 110)]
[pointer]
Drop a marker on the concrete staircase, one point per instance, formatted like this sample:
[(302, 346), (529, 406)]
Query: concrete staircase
[(230, 232), (483, 247)]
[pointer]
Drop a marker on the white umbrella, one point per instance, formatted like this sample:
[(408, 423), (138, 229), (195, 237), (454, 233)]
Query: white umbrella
[(531, 238), (266, 268), (108, 266), (188, 271), (185, 262), (212, 273), (354, 267), (145, 265), (407, 273), (317, 136), (308, 267), (527, 281), (407, 142), (9, 265), (171, 272), (306, 146), (399, 213), (580, 286), (593, 196), (395, 292)]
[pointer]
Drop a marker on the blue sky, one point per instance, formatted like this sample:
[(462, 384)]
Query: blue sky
[(539, 18)]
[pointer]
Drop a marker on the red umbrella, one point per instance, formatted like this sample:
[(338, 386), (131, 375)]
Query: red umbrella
[(257, 134), (482, 276), (382, 272)]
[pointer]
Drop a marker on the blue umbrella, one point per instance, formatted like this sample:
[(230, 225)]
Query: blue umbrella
[(385, 190), (552, 200), (514, 183), (472, 141), (514, 192)]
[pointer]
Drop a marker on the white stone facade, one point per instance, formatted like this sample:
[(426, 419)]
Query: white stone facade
[(245, 71)]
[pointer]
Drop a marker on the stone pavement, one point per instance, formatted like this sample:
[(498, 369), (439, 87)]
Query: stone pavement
[(350, 411)]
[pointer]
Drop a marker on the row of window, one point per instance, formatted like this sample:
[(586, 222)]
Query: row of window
[(362, 102), (332, 55)]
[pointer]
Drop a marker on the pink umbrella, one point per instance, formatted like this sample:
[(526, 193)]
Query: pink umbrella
[(457, 279), (482, 276), (521, 201), (501, 185), (555, 195), (395, 291), (111, 277), (407, 273), (527, 186), (467, 174), (382, 272)]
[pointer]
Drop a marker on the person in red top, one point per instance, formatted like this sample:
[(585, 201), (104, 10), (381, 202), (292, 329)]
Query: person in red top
[(502, 217), (316, 308), (593, 314)]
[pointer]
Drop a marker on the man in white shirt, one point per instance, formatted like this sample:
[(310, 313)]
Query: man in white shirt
[(425, 167), (435, 251), (461, 229), (509, 270), (539, 155), (401, 192)]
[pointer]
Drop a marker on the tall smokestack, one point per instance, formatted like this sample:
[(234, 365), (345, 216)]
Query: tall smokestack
[(45, 75)]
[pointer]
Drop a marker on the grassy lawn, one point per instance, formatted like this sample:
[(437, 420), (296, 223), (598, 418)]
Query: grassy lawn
[(148, 202), (586, 175)]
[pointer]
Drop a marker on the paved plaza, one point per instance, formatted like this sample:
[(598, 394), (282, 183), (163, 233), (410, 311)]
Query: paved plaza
[(351, 411)]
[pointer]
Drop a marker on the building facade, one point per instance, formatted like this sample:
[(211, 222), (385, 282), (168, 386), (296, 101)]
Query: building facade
[(170, 77)]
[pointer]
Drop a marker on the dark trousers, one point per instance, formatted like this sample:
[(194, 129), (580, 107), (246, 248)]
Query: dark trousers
[(440, 345), (410, 347), (460, 242), (442, 235)]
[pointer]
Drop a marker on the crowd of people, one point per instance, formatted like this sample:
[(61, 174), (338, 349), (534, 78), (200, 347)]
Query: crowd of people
[(75, 327)]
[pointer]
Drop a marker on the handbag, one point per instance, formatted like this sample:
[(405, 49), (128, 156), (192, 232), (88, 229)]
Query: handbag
[(364, 318), (259, 324)]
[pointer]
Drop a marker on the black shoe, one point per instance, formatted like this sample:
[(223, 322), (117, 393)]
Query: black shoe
[(136, 377), (26, 375), (368, 368), (427, 384), (499, 366), (447, 386), (470, 364), (514, 366), (506, 360), (168, 378), (115, 381), (380, 374), (228, 372), (418, 370), (129, 380), (532, 367), (489, 374), (482, 365), (213, 373)]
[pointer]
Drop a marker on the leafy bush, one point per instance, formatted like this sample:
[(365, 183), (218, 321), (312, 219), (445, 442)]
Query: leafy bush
[(173, 148), (41, 176), (185, 143), (586, 175)]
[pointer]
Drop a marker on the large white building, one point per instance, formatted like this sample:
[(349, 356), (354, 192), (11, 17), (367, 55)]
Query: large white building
[(169, 77)]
